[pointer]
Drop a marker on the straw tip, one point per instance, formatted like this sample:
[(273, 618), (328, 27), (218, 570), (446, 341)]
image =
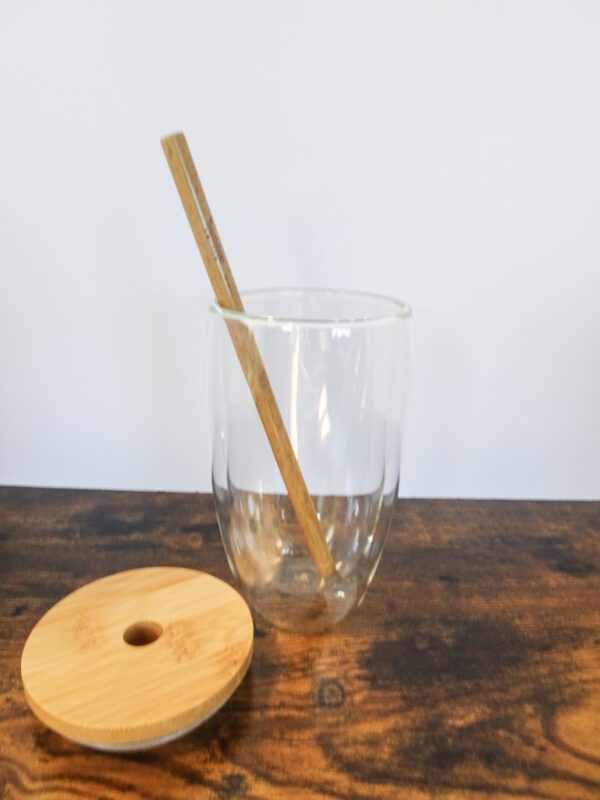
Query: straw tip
[(169, 137)]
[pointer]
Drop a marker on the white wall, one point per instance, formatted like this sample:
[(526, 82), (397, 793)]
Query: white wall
[(444, 152)]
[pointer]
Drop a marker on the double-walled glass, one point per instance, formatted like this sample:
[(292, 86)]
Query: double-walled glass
[(337, 364)]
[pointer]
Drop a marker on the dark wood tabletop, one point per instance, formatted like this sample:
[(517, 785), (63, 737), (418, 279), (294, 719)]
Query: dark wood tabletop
[(472, 669)]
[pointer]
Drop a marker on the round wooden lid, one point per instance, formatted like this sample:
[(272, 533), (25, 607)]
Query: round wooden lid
[(137, 658)]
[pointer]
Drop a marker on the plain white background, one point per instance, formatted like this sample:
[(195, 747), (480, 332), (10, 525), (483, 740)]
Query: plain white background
[(444, 152)]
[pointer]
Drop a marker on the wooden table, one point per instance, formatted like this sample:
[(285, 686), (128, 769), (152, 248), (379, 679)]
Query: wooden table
[(472, 670)]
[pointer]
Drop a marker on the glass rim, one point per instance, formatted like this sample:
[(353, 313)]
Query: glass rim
[(401, 309)]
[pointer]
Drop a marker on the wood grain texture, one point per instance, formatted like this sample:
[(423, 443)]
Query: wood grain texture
[(137, 656), (472, 670)]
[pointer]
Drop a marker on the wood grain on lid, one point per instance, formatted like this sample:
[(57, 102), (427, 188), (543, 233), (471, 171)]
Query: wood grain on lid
[(137, 656)]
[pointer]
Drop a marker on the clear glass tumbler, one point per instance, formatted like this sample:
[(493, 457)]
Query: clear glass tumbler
[(336, 361)]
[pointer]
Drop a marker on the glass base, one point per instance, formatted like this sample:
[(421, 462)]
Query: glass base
[(267, 553), (298, 600)]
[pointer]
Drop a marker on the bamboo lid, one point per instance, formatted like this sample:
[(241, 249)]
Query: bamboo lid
[(137, 658)]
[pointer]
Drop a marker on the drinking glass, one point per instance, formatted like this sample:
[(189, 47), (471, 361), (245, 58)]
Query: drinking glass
[(337, 363)]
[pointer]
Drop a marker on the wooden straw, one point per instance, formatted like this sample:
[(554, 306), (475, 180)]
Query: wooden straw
[(208, 241)]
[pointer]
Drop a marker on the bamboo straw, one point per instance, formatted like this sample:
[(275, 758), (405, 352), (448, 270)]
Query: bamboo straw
[(208, 241)]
